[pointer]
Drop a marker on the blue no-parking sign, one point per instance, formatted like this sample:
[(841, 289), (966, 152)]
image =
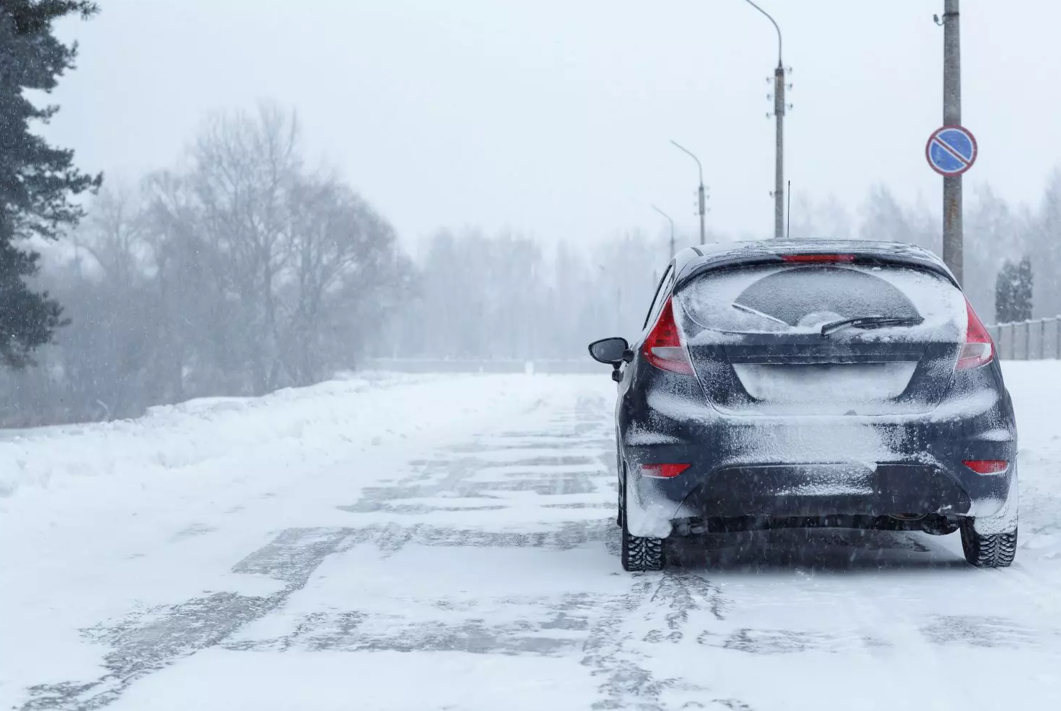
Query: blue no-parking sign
[(951, 150)]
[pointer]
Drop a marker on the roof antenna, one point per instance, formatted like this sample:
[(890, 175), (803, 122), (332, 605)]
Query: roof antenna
[(788, 229)]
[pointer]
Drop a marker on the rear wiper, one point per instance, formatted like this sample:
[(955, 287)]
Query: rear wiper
[(868, 322)]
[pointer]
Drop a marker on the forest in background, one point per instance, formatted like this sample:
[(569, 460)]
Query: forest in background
[(244, 269)]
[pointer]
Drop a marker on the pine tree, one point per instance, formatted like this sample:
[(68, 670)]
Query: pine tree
[(37, 181), (1004, 293), (1013, 292), (1022, 300)]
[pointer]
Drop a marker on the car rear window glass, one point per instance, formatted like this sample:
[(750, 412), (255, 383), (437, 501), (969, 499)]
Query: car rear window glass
[(803, 298)]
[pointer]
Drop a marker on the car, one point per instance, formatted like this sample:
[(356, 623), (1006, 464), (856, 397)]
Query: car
[(811, 383)]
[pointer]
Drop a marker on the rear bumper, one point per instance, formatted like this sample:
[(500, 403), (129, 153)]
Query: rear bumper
[(826, 489), (764, 467)]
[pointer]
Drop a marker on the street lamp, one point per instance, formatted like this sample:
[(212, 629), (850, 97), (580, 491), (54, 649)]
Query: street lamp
[(700, 168), (671, 221), (779, 116)]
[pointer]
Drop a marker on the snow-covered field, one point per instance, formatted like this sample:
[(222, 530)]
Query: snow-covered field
[(420, 543)]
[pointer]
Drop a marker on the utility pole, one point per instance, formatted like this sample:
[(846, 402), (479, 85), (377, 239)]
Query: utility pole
[(668, 217), (952, 116), (779, 167), (703, 209), (779, 145), (701, 193)]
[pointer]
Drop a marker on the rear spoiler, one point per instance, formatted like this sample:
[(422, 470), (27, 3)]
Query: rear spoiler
[(740, 261)]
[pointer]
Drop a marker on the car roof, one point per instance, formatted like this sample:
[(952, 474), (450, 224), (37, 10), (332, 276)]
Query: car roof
[(693, 261)]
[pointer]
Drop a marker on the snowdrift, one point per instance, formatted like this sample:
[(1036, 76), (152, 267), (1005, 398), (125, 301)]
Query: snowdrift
[(357, 412)]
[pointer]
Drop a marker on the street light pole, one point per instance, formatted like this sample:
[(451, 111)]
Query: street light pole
[(671, 229), (702, 196), (952, 116), (779, 117)]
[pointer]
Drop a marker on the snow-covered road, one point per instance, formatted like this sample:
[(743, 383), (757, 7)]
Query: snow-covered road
[(428, 543)]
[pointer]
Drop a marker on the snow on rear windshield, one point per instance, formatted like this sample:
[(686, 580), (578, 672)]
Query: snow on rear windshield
[(801, 299)]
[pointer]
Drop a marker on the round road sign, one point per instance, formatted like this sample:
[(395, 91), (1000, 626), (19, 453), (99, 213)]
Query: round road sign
[(951, 150)]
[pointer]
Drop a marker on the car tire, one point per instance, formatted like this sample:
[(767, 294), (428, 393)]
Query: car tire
[(621, 492), (639, 554), (988, 550)]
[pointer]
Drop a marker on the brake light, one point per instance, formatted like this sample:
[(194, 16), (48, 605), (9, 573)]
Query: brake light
[(978, 349), (987, 466), (663, 471), (663, 347), (818, 258)]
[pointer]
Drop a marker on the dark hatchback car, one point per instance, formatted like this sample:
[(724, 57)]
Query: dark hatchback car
[(811, 384)]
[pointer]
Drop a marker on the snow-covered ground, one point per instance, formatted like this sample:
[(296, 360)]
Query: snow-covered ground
[(448, 542)]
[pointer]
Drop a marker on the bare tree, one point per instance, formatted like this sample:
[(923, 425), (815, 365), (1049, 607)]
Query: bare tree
[(341, 258), (105, 357), (245, 168)]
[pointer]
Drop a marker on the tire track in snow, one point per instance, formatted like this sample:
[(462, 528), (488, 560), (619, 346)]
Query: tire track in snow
[(1044, 596), (908, 655), (618, 647), (151, 641), (535, 632)]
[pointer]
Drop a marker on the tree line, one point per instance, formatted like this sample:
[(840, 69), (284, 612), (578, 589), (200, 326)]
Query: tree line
[(246, 269), (242, 272)]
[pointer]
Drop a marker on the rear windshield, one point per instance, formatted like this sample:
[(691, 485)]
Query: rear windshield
[(780, 299)]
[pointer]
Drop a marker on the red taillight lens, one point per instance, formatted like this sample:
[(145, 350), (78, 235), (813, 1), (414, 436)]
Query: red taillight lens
[(663, 471), (818, 258), (987, 466), (979, 349), (663, 347)]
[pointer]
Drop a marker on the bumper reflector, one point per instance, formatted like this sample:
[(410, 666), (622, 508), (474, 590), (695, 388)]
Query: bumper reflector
[(987, 466), (663, 471)]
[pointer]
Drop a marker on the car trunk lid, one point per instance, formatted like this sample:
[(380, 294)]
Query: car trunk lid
[(760, 342)]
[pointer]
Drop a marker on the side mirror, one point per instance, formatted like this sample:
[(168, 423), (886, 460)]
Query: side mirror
[(611, 351)]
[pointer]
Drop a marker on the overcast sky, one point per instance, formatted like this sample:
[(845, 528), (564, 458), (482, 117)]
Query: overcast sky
[(554, 118)]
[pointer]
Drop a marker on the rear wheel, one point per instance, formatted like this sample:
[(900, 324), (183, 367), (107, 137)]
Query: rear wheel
[(639, 554), (988, 550)]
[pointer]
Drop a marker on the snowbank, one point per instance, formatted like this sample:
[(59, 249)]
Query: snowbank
[(357, 412)]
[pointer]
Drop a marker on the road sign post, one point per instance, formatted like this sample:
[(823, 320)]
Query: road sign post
[(953, 241)]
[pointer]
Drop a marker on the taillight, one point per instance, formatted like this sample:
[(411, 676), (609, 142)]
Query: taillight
[(663, 471), (987, 466), (663, 347), (818, 258), (978, 349)]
